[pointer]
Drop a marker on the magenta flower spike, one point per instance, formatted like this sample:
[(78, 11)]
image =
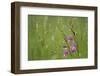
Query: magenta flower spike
[(71, 46)]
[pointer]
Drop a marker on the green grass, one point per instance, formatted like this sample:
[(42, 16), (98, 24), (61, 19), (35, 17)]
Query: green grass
[(46, 39)]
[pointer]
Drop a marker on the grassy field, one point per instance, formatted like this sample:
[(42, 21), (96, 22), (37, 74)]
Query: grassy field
[(46, 37)]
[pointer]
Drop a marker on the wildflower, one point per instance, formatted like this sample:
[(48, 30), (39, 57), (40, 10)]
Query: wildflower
[(65, 52), (72, 46), (73, 49)]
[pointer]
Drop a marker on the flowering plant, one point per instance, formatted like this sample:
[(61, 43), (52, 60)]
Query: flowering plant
[(71, 46)]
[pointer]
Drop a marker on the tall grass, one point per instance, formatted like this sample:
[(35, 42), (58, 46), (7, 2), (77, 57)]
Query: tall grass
[(46, 36)]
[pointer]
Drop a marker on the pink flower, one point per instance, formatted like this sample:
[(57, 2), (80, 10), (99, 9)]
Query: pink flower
[(65, 52), (73, 49)]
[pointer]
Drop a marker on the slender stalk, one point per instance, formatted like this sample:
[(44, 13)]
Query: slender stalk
[(75, 38)]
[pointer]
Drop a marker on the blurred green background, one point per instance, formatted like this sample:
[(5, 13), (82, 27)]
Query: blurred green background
[(45, 39)]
